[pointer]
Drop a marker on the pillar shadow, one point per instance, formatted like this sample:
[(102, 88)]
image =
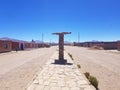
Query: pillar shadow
[(62, 62)]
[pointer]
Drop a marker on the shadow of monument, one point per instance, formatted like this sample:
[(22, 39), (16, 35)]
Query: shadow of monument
[(62, 62)]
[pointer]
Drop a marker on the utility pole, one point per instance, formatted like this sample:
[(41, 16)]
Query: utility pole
[(42, 37), (50, 41)]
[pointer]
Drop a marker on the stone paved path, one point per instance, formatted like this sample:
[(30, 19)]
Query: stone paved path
[(60, 77)]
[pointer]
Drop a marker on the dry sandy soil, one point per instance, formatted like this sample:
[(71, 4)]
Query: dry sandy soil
[(18, 69), (104, 65)]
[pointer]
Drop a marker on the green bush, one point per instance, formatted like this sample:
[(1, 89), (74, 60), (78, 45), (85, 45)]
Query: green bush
[(93, 81), (78, 66), (87, 74)]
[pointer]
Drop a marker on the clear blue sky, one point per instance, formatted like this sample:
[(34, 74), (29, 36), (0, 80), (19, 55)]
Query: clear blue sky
[(28, 19)]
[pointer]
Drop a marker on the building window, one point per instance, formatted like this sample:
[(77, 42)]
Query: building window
[(5, 46)]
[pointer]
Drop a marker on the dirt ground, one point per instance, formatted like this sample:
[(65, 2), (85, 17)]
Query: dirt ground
[(103, 64), (18, 69)]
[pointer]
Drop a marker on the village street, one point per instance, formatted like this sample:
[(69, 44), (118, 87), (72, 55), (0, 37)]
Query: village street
[(103, 64), (18, 69)]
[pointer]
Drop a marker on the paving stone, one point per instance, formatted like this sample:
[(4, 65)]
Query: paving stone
[(46, 88), (75, 88), (39, 87), (72, 84), (82, 82), (32, 87), (41, 81), (36, 81), (60, 77), (61, 83), (46, 83), (86, 87), (53, 84), (55, 88), (65, 88)]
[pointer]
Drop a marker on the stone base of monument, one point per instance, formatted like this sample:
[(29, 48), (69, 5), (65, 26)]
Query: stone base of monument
[(60, 61)]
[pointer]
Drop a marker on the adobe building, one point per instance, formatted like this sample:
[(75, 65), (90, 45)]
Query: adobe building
[(110, 45), (105, 45), (9, 44), (5, 46), (118, 45), (15, 45)]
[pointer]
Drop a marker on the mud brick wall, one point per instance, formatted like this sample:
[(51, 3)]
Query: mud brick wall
[(15, 45), (110, 45), (5, 46), (118, 45)]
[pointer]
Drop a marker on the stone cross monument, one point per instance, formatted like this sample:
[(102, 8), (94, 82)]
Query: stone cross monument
[(61, 47)]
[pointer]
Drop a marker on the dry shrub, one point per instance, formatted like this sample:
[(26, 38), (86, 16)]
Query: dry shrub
[(93, 81), (70, 56), (78, 66), (96, 48), (87, 74)]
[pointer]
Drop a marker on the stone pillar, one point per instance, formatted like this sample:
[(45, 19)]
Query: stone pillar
[(61, 47)]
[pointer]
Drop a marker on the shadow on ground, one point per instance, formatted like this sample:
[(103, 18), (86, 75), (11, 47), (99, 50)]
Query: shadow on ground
[(61, 62)]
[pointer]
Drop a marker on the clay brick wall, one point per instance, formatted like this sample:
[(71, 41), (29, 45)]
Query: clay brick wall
[(110, 45), (15, 45), (5, 46), (27, 45), (118, 45), (104, 45)]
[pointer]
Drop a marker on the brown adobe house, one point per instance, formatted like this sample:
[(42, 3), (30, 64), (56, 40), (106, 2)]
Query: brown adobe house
[(20, 44), (111, 45), (9, 44), (15, 44), (118, 44)]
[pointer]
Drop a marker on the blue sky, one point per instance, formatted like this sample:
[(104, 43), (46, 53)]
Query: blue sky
[(28, 19)]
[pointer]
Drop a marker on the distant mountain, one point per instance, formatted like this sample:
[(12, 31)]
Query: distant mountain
[(38, 41), (67, 42)]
